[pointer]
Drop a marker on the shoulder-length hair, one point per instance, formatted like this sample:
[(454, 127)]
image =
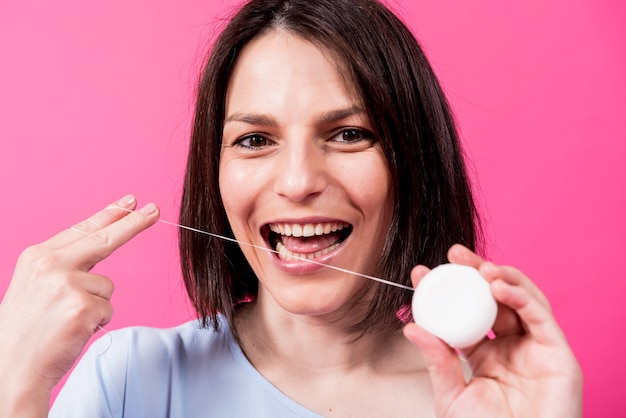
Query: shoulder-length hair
[(433, 204)]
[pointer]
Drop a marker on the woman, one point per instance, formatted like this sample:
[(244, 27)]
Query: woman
[(335, 143)]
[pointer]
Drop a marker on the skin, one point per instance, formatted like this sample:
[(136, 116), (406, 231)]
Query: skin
[(528, 370), (284, 98), (294, 333), (54, 305), (294, 328), (285, 159)]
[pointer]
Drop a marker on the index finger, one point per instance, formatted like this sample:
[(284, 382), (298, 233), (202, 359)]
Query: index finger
[(97, 221), (98, 245), (460, 254)]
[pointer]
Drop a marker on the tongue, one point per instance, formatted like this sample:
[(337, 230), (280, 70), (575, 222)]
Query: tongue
[(311, 244)]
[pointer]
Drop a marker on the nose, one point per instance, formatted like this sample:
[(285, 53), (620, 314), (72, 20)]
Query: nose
[(301, 171)]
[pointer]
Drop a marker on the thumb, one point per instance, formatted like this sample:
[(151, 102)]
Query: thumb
[(444, 365)]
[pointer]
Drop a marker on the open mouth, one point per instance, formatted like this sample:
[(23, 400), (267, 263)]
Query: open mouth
[(309, 241)]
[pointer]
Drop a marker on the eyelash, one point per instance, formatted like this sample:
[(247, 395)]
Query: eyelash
[(363, 134), (338, 137), (244, 141)]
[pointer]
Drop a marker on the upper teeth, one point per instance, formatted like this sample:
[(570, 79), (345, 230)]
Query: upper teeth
[(307, 230)]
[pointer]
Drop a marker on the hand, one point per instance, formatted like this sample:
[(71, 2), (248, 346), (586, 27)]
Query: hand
[(527, 370), (53, 304)]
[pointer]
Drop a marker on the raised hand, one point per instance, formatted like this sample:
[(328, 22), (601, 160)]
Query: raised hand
[(54, 304), (527, 370)]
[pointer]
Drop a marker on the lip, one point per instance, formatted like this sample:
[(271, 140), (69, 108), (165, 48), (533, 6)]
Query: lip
[(301, 265)]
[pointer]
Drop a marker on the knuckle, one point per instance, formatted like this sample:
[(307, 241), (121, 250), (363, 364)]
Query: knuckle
[(84, 227), (30, 254), (107, 314), (107, 287), (101, 238), (546, 303), (45, 263), (60, 286), (135, 222), (80, 305), (110, 286)]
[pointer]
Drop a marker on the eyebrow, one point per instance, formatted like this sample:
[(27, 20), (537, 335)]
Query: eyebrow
[(322, 119), (339, 114), (252, 119)]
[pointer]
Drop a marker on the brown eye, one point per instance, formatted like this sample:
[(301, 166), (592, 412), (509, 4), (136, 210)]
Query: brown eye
[(253, 141), (352, 135)]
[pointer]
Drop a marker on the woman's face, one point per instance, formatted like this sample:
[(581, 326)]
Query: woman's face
[(302, 173)]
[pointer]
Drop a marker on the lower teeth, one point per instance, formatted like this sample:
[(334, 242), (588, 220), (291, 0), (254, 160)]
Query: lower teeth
[(285, 254)]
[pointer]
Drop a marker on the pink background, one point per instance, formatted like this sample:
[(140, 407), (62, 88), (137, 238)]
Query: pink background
[(95, 99)]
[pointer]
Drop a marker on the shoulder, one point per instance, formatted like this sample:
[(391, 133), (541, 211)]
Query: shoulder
[(187, 345), (149, 372), (185, 371), (188, 334)]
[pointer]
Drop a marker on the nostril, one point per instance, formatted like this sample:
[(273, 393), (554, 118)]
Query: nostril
[(301, 173), (299, 187)]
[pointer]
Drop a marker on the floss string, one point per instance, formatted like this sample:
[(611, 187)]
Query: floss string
[(110, 340), (340, 269), (225, 238), (376, 279)]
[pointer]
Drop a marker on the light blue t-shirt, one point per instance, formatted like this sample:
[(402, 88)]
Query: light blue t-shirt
[(178, 372)]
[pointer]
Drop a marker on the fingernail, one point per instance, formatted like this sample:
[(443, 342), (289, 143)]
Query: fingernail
[(126, 201), (149, 209)]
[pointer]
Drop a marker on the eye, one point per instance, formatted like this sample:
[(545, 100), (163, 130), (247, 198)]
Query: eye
[(253, 141), (353, 135)]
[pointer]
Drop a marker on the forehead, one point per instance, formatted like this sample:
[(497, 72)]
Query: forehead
[(281, 65)]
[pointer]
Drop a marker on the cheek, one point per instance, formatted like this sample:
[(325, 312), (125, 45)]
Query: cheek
[(238, 188), (371, 185)]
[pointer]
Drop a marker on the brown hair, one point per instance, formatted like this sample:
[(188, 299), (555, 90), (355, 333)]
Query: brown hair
[(433, 204)]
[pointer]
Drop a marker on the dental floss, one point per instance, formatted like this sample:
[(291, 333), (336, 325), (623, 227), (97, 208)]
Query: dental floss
[(454, 302), (377, 279), (110, 340), (212, 234)]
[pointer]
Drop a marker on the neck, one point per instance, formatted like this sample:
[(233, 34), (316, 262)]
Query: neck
[(271, 337), (315, 361)]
